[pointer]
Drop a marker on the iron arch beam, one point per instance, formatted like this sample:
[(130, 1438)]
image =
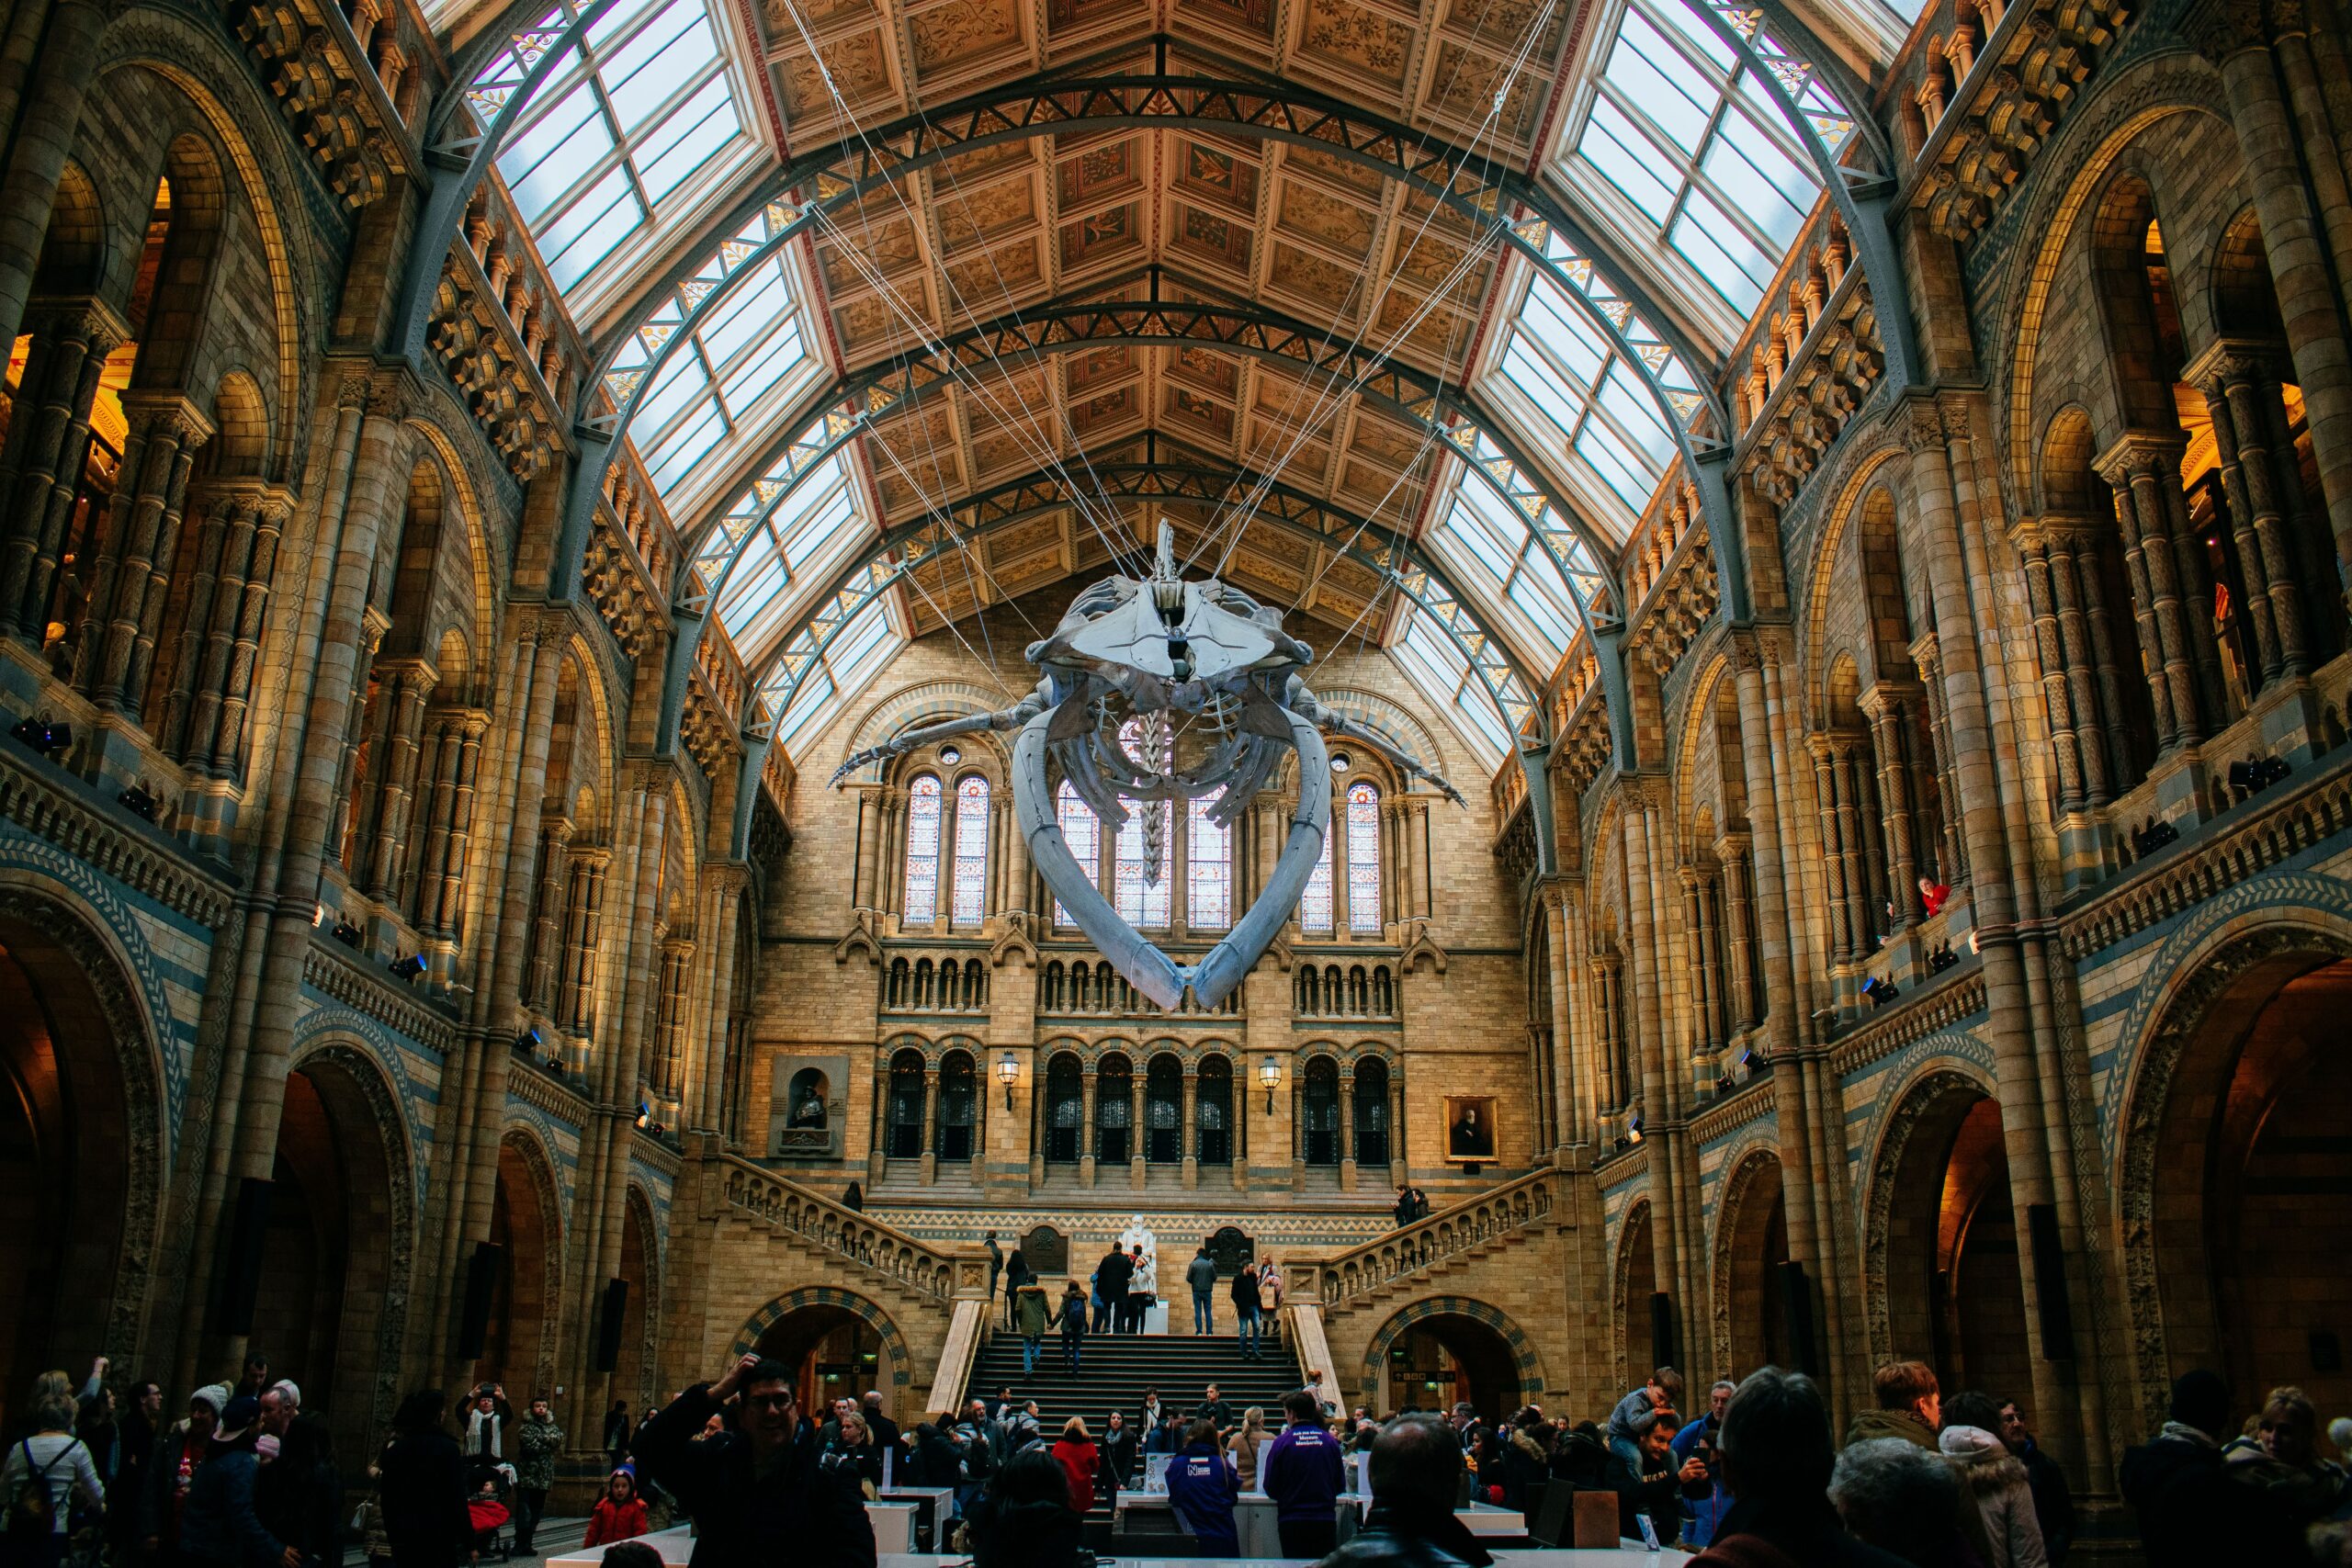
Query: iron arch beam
[(1414, 395), (1515, 209), (857, 583), (1799, 58), (460, 165)]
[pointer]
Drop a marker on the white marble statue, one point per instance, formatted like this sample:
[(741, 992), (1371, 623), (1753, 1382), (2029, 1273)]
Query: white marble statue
[(1137, 1234)]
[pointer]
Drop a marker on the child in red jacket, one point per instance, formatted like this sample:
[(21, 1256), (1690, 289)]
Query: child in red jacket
[(619, 1515)]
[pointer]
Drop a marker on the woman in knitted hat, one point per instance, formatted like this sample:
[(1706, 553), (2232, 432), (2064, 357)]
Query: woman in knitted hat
[(172, 1469)]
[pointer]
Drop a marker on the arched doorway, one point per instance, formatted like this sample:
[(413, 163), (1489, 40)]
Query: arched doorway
[(1954, 1294), (80, 1146), (518, 1349), (2239, 1248), (1451, 1351), (338, 1210), (633, 1372), (1751, 1248), (1636, 1284), (835, 1352)]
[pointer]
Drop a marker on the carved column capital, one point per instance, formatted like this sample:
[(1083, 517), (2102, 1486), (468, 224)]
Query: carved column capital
[(2221, 29), (2139, 452), (84, 317)]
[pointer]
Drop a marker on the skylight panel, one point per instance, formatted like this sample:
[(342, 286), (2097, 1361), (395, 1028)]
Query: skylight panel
[(1432, 662), (784, 537), (604, 160), (718, 388), (834, 677), (1691, 141)]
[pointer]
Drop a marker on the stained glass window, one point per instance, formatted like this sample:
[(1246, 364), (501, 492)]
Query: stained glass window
[(1145, 904), (1363, 858), (1082, 830), (922, 852), (1315, 904), (1208, 869), (971, 848)]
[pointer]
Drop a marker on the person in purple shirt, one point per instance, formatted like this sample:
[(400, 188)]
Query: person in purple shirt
[(1302, 1478), (1202, 1489)]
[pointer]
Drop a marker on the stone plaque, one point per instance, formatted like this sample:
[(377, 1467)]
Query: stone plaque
[(1231, 1250), (1046, 1250)]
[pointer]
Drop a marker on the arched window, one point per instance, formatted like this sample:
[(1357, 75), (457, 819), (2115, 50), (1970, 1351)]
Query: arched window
[(1363, 858), (1065, 1110), (1208, 867), (1163, 1111), (971, 848), (1083, 833), (1144, 900), (959, 1107), (905, 1111), (1215, 1112), (923, 850), (1315, 904), (1114, 1110), (1372, 1111), (1319, 1112)]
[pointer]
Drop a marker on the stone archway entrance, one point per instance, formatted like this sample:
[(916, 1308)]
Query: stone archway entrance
[(839, 1344), (525, 1224), (1751, 1248), (1944, 1243), (1447, 1351), (332, 1254), (80, 1157), (1636, 1284), (2238, 1245)]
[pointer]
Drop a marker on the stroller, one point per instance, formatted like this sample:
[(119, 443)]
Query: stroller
[(490, 1497)]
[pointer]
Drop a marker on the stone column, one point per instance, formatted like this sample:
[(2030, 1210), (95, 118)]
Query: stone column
[(869, 846), (1347, 1133), (728, 880), (1086, 1079), (2081, 632), (48, 438), (1566, 1101), (1842, 937), (2140, 469), (2065, 722), (1739, 931), (929, 1123), (132, 573), (1188, 1127), (2239, 388), (47, 124), (546, 934), (1885, 709), (412, 683), (584, 914), (221, 733), (2271, 142), (1953, 852), (1135, 1129)]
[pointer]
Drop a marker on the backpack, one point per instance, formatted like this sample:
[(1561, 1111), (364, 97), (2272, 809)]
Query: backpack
[(31, 1512)]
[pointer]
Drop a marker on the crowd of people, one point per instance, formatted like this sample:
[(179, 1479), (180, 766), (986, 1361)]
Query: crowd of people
[(102, 1473), (1123, 1287)]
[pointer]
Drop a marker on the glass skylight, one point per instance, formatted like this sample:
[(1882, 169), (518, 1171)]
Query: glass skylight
[(834, 676), (783, 539), (1583, 402), (1480, 529), (636, 129), (1446, 678), (1695, 150)]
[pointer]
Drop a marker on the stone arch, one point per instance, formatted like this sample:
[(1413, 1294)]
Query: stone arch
[(343, 1128), (82, 1049), (1635, 1275), (816, 1307), (1937, 1165), (638, 1373), (1751, 1242), (240, 445), (2067, 484), (2140, 98), (2124, 211), (1822, 578), (73, 247), (2230, 962), (465, 497), (2244, 301), (528, 1220), (1509, 1361), (930, 702), (171, 337)]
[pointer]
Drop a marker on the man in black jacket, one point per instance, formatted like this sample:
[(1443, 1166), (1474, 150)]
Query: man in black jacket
[(759, 1495), (1416, 1469), (885, 1431), (1111, 1277), (2176, 1482)]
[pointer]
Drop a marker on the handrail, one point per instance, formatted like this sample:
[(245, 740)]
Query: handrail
[(1445, 1233), (839, 1228)]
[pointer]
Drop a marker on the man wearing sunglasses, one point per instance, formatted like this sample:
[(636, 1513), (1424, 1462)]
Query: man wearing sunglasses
[(757, 1492)]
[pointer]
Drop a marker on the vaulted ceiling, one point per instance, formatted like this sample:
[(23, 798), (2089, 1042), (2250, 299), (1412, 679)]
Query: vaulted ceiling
[(905, 369)]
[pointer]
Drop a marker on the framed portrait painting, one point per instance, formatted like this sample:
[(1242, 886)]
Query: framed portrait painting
[(1469, 1126)]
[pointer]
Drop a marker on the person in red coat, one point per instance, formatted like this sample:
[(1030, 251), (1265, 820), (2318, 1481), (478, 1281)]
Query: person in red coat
[(1079, 1458), (619, 1512)]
